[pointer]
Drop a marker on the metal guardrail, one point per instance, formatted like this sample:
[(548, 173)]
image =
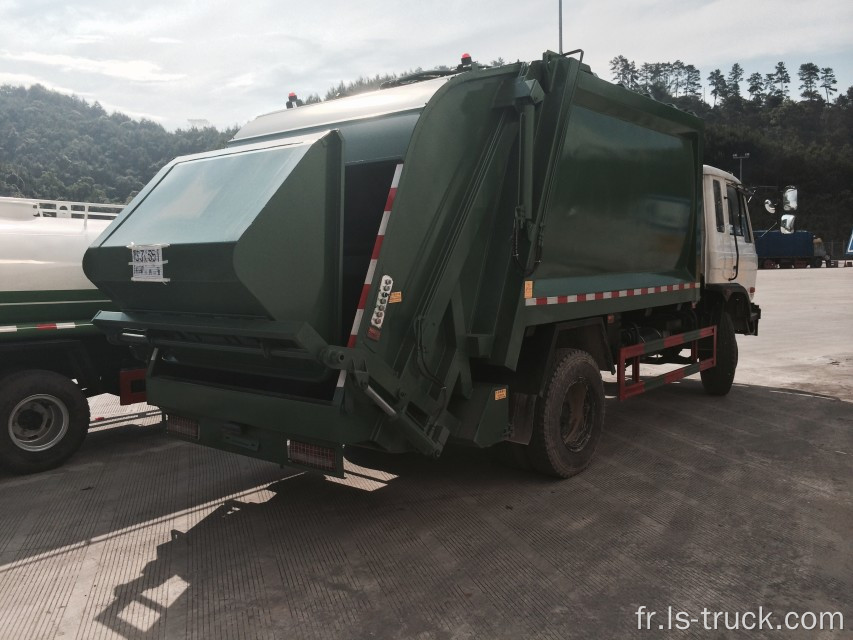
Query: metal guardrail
[(66, 208)]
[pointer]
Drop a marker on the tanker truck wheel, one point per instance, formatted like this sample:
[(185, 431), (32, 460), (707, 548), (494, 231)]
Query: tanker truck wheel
[(43, 420), (717, 381), (570, 417)]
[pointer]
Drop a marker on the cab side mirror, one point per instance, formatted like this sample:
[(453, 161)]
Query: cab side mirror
[(786, 225), (789, 198)]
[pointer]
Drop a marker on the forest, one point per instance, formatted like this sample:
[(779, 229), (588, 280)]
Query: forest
[(796, 131)]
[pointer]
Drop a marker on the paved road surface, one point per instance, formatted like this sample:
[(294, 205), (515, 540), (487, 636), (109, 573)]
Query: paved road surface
[(696, 502)]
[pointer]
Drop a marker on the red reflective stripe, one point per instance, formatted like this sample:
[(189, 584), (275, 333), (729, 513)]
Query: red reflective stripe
[(362, 301), (377, 247), (49, 325), (351, 340), (581, 297), (392, 193), (562, 299)]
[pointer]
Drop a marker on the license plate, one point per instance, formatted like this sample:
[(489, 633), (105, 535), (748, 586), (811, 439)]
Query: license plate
[(147, 263)]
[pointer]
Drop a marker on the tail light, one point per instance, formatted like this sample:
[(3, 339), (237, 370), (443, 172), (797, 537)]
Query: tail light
[(184, 427), (312, 455)]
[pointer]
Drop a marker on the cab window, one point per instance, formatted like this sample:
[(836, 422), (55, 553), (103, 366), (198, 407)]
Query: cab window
[(718, 205), (738, 213)]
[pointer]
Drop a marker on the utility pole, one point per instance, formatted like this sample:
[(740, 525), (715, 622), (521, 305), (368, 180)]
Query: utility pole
[(743, 157), (561, 25)]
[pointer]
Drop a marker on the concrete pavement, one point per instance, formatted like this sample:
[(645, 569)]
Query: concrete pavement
[(728, 504)]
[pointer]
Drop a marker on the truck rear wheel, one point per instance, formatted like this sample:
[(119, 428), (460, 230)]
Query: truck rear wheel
[(570, 417), (44, 418), (717, 381)]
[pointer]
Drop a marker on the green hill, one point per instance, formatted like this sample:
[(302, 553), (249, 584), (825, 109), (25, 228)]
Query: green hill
[(54, 146)]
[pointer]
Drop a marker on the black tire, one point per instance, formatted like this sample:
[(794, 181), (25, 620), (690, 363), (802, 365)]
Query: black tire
[(817, 263), (44, 418), (717, 381), (560, 446)]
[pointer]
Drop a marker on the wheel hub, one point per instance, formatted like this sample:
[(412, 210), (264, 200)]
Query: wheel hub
[(38, 422)]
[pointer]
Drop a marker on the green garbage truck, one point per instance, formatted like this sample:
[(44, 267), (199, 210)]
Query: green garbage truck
[(455, 257)]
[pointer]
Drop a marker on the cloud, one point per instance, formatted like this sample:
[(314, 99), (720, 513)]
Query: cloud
[(133, 70), (242, 81), (169, 61)]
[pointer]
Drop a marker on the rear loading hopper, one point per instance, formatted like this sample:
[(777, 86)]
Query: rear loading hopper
[(375, 270)]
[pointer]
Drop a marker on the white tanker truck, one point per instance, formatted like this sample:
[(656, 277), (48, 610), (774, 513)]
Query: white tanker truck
[(51, 356)]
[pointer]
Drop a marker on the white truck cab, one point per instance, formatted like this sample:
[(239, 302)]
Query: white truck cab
[(730, 256)]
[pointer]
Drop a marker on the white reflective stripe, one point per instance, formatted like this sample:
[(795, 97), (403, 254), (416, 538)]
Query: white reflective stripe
[(552, 300), (384, 224), (607, 295), (342, 376), (529, 302), (359, 313), (65, 325), (371, 269), (396, 180), (9, 329), (638, 292), (572, 298), (623, 293)]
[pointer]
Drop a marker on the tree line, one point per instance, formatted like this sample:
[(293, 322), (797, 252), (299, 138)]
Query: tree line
[(671, 79), (806, 142)]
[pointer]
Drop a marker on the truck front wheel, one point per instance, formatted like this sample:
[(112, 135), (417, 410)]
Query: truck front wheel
[(43, 420), (570, 417), (717, 381)]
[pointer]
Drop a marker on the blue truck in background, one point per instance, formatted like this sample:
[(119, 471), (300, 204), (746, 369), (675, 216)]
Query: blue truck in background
[(797, 249)]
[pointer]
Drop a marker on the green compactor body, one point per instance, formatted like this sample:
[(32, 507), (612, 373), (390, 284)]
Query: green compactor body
[(371, 271)]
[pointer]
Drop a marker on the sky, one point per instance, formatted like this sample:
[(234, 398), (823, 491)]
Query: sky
[(228, 62)]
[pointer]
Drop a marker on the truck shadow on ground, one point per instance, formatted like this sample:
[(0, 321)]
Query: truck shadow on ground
[(691, 499)]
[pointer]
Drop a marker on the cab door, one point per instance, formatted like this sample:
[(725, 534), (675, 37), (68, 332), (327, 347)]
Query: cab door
[(745, 263)]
